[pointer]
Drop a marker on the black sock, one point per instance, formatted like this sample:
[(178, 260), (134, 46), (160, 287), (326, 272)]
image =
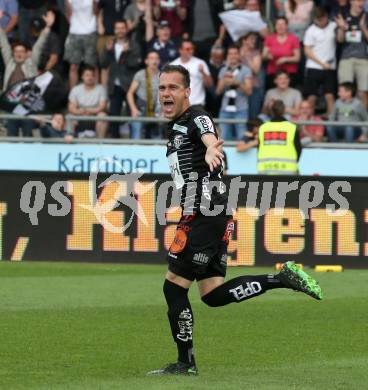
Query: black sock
[(181, 320), (241, 288)]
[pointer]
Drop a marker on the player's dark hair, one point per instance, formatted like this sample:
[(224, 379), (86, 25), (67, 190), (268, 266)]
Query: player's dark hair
[(277, 109), (178, 69), (348, 86)]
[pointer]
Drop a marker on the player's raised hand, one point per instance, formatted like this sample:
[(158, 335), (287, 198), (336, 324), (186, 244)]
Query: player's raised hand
[(214, 154)]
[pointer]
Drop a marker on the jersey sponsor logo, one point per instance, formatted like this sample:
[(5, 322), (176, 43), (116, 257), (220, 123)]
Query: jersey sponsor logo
[(229, 231), (275, 137), (200, 258), (206, 191), (242, 292), (178, 140), (181, 129), (223, 259), (204, 124), (179, 242)]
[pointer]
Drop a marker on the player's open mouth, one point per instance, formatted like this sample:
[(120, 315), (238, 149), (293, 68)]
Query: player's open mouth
[(168, 106)]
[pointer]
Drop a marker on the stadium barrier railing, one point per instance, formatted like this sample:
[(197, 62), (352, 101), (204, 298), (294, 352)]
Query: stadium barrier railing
[(129, 119)]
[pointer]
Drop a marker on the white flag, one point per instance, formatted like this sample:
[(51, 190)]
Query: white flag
[(240, 22)]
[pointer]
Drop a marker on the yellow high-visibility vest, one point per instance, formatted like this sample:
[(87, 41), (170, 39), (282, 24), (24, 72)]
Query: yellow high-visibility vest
[(277, 154)]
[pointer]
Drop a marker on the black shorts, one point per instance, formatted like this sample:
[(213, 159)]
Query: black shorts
[(199, 249), (315, 78), (85, 125)]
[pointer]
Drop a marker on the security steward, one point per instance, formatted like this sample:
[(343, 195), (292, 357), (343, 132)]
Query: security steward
[(279, 147)]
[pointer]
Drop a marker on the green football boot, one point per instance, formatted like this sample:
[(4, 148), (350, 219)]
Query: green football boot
[(295, 278), (177, 368)]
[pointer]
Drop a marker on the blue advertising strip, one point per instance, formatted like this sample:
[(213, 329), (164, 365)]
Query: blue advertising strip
[(151, 159), (83, 158)]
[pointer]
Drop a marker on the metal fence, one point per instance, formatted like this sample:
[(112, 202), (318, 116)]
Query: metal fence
[(127, 119)]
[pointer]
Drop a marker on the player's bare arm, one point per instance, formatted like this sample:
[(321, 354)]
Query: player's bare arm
[(214, 155)]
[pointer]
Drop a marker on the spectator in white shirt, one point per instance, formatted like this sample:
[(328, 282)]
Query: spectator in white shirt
[(200, 77), (320, 50), (80, 45)]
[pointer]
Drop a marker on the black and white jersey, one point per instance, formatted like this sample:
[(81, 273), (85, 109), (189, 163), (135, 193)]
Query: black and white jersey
[(200, 188)]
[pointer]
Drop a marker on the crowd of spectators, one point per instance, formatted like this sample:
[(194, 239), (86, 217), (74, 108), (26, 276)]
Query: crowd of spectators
[(311, 55)]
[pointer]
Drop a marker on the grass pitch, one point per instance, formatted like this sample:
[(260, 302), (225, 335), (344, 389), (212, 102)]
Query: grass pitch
[(84, 326)]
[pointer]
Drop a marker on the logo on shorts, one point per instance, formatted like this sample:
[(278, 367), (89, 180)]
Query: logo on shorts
[(180, 240), (200, 258), (224, 259), (178, 140)]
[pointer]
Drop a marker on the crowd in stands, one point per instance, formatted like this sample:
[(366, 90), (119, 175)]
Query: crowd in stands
[(311, 55)]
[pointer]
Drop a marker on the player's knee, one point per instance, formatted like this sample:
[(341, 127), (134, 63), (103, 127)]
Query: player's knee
[(210, 300), (173, 292)]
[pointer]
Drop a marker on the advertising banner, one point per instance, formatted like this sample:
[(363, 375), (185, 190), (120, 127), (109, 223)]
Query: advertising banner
[(132, 218), (152, 159)]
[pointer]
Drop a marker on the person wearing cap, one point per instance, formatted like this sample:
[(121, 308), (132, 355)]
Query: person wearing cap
[(51, 50), (163, 44)]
